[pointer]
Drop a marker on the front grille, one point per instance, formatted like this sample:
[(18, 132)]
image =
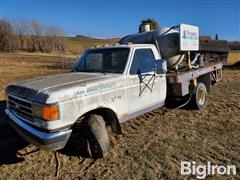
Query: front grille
[(20, 106)]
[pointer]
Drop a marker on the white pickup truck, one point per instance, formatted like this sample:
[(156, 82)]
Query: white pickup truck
[(107, 86)]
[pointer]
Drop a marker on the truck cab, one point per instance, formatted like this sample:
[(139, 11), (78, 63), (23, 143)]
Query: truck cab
[(107, 86)]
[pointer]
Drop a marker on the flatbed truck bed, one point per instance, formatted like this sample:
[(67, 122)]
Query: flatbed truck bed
[(178, 83)]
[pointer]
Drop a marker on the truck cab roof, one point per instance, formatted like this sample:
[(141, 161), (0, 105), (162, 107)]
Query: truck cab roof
[(127, 46)]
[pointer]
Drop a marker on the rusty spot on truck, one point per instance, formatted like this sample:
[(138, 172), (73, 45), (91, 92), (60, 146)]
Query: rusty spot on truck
[(99, 107), (123, 115)]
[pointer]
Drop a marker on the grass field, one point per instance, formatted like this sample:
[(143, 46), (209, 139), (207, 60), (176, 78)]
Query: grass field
[(233, 57), (151, 146), (76, 45)]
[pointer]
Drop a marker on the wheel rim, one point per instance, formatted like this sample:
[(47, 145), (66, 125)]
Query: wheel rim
[(201, 96)]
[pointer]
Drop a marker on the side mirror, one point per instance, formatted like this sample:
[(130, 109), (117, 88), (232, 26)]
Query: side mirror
[(161, 66)]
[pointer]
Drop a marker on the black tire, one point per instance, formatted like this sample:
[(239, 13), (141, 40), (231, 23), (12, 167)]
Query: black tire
[(199, 99), (97, 136)]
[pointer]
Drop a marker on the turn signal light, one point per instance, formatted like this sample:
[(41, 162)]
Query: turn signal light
[(50, 113)]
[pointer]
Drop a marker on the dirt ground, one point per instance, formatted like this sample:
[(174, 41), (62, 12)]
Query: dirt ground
[(151, 146)]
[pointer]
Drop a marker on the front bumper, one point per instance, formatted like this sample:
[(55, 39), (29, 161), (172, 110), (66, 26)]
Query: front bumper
[(45, 140)]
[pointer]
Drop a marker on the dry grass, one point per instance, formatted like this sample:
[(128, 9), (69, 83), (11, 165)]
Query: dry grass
[(151, 146), (233, 57), (20, 66), (76, 45)]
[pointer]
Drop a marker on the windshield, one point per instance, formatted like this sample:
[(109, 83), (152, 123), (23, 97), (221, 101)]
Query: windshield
[(103, 60)]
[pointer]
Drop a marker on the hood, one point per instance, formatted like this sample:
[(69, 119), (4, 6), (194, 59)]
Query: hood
[(55, 88)]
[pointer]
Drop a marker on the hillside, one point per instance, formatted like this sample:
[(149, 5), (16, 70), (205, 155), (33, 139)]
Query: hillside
[(76, 45)]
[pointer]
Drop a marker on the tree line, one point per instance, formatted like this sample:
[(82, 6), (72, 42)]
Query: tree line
[(30, 36)]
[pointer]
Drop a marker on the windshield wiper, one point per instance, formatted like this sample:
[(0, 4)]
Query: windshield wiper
[(92, 70), (111, 71)]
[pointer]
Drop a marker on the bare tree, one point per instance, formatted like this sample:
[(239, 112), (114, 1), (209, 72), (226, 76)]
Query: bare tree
[(36, 28), (6, 36), (55, 38), (234, 45), (21, 29), (30, 36)]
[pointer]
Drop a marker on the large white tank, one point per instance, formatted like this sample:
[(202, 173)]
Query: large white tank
[(166, 39)]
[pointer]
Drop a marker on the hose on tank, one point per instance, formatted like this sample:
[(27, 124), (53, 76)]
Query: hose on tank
[(190, 96), (173, 27), (182, 105)]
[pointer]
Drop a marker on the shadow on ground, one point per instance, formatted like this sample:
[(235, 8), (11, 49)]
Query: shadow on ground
[(77, 144), (10, 141), (182, 103), (76, 148), (235, 66)]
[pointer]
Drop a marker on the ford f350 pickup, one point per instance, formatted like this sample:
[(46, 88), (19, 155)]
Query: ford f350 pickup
[(107, 86)]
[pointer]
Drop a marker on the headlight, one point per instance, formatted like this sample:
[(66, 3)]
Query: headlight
[(47, 113)]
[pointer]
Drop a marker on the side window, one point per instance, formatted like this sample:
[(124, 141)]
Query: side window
[(143, 61)]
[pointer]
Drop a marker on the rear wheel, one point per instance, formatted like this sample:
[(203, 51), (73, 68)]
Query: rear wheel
[(200, 98), (97, 136)]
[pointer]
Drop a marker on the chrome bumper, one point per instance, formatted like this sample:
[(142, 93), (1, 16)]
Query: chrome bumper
[(45, 140)]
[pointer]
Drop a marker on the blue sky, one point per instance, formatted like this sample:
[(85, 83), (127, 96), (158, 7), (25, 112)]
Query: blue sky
[(116, 18)]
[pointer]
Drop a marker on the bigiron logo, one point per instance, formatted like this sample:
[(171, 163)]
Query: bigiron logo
[(201, 171)]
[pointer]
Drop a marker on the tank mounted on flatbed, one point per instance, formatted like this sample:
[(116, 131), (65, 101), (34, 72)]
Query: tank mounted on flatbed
[(172, 44)]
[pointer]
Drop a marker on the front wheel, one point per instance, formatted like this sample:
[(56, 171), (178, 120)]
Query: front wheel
[(97, 136), (200, 97)]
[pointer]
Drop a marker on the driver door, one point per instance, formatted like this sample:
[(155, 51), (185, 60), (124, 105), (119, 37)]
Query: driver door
[(146, 89)]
